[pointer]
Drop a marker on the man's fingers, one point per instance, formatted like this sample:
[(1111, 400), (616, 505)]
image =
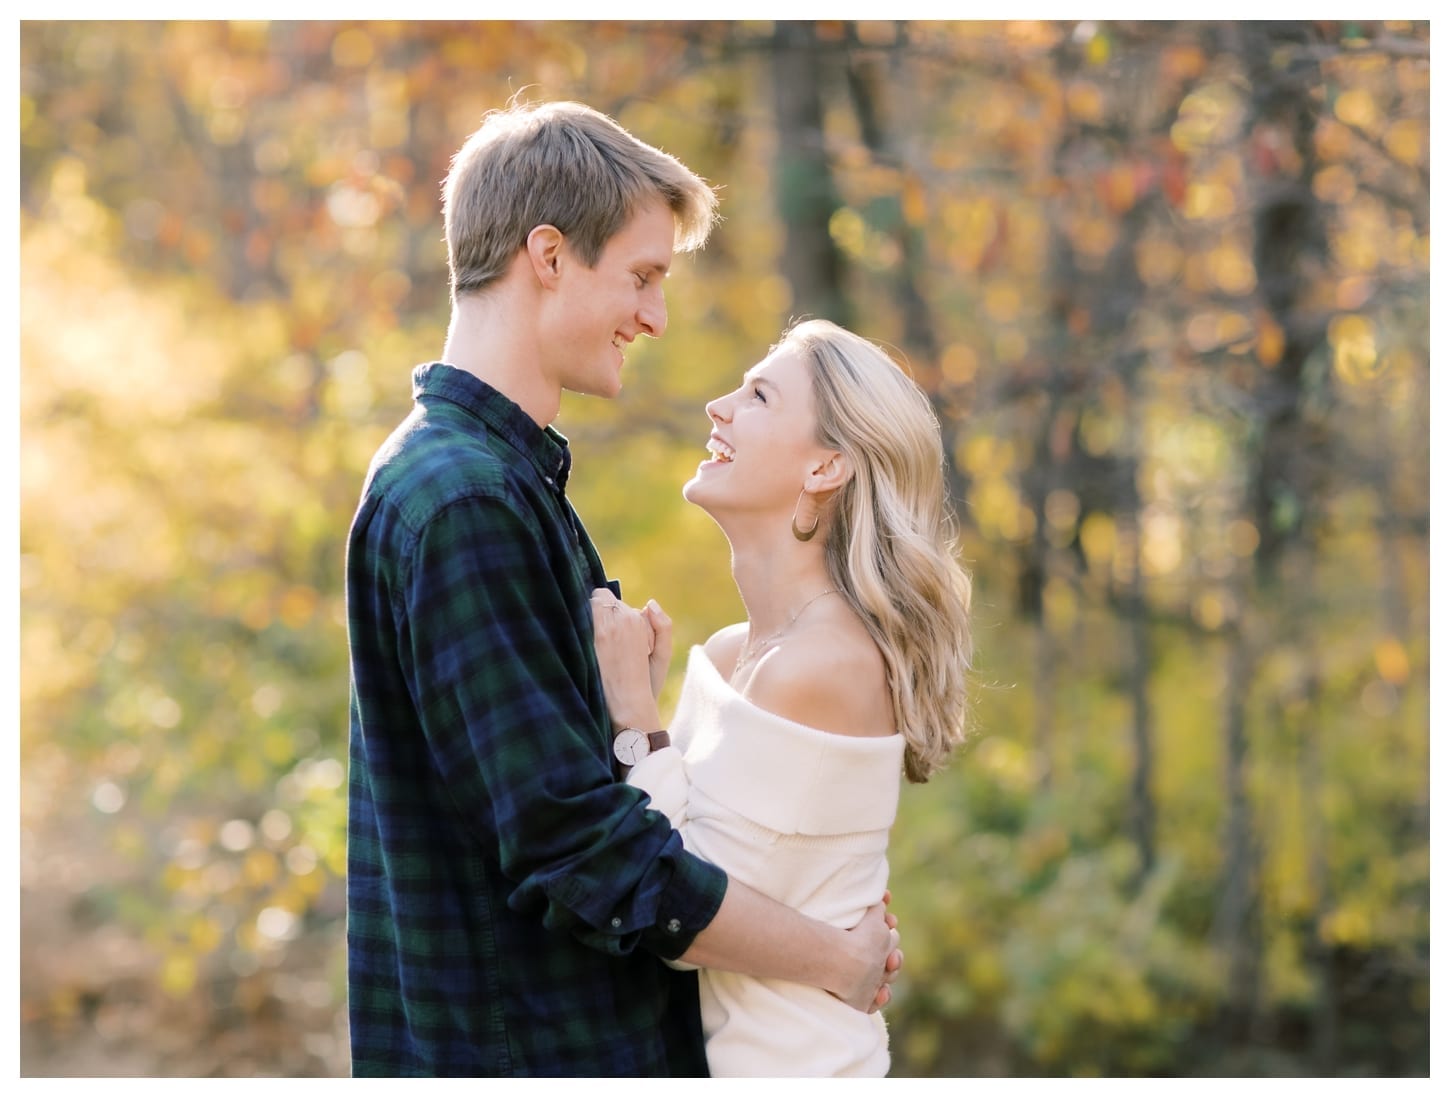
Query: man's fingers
[(894, 962)]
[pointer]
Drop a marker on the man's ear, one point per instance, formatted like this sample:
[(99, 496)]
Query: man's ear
[(545, 246), (830, 473)]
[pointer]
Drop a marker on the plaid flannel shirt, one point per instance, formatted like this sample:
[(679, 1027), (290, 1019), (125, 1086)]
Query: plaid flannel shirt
[(508, 900)]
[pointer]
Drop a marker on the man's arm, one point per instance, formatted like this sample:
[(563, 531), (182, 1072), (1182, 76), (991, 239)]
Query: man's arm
[(757, 936), (490, 646)]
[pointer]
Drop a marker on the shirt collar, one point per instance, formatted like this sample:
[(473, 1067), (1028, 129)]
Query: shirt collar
[(544, 447)]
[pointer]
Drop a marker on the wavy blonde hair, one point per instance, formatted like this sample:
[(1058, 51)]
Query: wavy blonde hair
[(890, 537)]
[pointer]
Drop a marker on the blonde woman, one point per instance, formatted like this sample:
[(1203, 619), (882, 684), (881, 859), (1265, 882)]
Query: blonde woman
[(784, 759)]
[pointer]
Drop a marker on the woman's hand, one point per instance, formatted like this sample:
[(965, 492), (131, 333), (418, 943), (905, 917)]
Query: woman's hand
[(625, 640), (663, 645)]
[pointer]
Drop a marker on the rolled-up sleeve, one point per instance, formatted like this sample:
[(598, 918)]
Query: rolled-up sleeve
[(502, 669)]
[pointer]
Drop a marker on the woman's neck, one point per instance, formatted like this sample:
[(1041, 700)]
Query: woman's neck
[(776, 576)]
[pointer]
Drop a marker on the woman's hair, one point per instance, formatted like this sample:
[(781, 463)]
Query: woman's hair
[(561, 164), (890, 536)]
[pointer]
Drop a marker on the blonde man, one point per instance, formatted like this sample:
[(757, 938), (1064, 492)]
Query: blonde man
[(509, 900)]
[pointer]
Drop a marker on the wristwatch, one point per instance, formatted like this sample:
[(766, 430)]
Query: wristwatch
[(631, 745)]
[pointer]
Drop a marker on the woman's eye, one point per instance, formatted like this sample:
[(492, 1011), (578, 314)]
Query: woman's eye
[(759, 395)]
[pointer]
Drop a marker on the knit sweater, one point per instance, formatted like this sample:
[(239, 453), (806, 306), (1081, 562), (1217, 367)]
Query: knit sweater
[(803, 816)]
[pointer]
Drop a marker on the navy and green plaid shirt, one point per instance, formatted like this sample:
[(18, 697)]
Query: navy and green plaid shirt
[(508, 900)]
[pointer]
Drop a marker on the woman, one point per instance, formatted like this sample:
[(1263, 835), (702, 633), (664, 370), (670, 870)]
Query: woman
[(794, 726)]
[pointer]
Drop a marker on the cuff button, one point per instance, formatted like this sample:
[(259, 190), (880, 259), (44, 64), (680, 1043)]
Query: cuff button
[(673, 926)]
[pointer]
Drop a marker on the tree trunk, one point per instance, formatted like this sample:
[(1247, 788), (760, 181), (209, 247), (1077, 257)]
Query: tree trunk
[(1237, 929), (1290, 242), (1142, 809), (872, 79), (804, 190)]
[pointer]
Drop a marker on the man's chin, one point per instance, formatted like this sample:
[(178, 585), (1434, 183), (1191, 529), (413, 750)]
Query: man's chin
[(606, 390)]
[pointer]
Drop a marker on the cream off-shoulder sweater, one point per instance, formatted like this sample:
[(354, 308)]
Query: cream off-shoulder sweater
[(803, 816)]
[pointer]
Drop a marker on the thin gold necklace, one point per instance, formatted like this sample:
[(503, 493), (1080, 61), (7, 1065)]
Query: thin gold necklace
[(749, 652)]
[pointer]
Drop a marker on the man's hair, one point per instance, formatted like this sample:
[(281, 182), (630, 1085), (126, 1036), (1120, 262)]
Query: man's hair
[(561, 164)]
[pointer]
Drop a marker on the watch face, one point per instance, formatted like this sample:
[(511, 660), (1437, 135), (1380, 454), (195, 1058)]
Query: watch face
[(631, 746)]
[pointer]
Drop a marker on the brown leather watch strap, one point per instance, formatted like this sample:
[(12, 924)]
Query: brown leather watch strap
[(658, 740)]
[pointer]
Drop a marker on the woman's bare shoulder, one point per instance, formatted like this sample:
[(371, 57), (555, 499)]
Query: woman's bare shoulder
[(826, 678), (724, 647)]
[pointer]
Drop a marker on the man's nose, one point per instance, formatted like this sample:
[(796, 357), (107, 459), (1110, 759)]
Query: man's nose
[(653, 317)]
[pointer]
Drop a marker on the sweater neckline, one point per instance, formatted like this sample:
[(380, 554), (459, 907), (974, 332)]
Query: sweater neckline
[(698, 652)]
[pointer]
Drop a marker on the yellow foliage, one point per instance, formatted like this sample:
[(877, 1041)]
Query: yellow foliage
[(1209, 200), (1391, 661), (1084, 100), (259, 867), (1347, 925), (1356, 354), (1159, 259), (178, 974), (985, 973), (1210, 609), (1335, 183), (1269, 346), (1407, 140), (1356, 107), (1099, 535)]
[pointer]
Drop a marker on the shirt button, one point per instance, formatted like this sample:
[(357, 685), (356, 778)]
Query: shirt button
[(616, 922), (673, 926)]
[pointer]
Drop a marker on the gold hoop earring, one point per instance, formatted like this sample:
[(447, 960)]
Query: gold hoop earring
[(802, 535)]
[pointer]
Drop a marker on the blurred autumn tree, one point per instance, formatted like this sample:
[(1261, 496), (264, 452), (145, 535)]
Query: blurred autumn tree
[(1167, 286)]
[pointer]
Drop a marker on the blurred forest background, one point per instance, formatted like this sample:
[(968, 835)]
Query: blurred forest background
[(1168, 286)]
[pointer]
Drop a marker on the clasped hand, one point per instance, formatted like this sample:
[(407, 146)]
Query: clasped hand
[(633, 648)]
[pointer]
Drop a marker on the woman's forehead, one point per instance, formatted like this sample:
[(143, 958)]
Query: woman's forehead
[(785, 366)]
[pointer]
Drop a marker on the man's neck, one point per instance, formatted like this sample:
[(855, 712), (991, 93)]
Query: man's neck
[(487, 339)]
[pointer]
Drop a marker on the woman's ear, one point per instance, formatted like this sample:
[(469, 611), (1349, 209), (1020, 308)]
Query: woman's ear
[(830, 473), (545, 245)]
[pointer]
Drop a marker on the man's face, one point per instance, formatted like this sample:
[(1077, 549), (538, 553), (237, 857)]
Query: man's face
[(599, 311)]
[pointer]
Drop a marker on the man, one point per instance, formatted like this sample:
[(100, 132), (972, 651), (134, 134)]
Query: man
[(508, 899)]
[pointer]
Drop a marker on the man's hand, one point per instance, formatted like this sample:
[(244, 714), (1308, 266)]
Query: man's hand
[(876, 944), (894, 963)]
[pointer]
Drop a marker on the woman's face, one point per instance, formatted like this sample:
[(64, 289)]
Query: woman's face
[(763, 441)]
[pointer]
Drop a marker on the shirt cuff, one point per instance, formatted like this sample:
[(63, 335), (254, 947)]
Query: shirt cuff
[(687, 907)]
